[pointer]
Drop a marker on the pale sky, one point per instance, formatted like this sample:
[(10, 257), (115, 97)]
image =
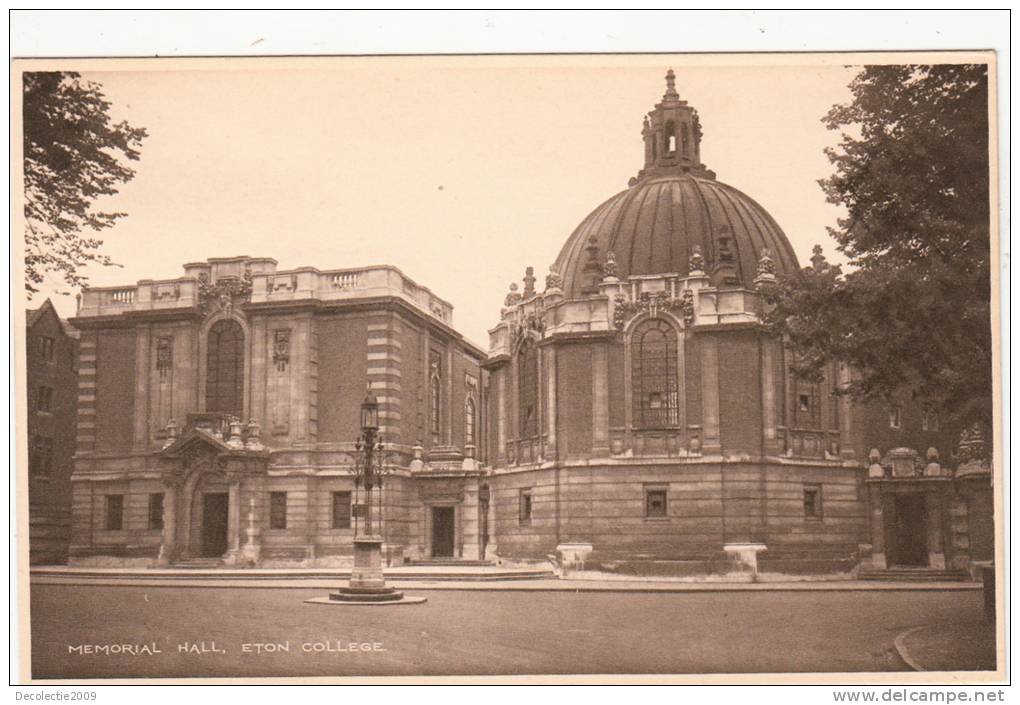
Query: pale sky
[(459, 171)]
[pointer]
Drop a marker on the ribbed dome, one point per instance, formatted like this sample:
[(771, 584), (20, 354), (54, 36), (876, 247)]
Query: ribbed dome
[(674, 205), (653, 227)]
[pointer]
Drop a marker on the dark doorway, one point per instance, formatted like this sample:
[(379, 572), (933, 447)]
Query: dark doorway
[(442, 532), (214, 524), (911, 531)]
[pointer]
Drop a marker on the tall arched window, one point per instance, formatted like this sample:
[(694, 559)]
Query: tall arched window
[(670, 138), (527, 388), (224, 385), (654, 375), (435, 395), (469, 422)]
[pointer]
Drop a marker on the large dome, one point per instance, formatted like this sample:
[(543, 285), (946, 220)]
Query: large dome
[(653, 227), (674, 206)]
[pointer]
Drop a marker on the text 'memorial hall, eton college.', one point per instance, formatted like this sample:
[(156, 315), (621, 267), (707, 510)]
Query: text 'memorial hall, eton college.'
[(630, 411)]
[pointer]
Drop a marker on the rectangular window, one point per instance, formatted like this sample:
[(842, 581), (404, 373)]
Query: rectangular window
[(156, 511), (277, 510), (40, 460), (812, 501), (341, 510), (895, 416), (929, 421), (655, 503), (525, 506), (44, 402), (46, 348), (114, 512)]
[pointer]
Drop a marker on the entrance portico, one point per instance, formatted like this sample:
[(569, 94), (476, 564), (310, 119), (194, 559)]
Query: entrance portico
[(206, 473)]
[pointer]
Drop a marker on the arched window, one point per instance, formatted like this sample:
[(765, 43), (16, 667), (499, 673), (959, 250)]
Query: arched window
[(654, 375), (670, 138), (435, 395), (527, 388), (224, 385), (469, 422)]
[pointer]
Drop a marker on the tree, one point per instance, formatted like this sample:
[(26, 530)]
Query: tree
[(912, 313), (73, 155)]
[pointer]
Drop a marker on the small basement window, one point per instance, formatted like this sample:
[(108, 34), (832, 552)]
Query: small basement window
[(525, 507), (655, 503), (156, 511), (277, 510), (114, 512), (812, 501)]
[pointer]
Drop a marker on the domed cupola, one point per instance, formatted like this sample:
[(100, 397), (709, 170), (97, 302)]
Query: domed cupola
[(672, 136), (674, 210)]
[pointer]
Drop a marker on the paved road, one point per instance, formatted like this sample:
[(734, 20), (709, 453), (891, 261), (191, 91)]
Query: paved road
[(475, 632)]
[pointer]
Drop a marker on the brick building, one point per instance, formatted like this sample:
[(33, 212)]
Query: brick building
[(51, 360), (641, 417), (631, 411), (226, 402)]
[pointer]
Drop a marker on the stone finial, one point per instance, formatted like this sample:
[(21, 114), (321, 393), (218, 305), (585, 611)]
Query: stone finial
[(173, 432), (234, 440), (875, 469), (609, 267), (671, 85), (592, 268), (766, 269), (818, 262), (529, 282), (553, 280), (253, 442), (513, 297), (696, 263)]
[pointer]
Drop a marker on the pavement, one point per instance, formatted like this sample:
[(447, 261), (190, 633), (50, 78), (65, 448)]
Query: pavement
[(956, 645), (485, 578), (84, 631)]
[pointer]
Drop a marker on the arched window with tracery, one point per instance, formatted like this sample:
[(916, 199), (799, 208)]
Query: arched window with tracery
[(654, 381), (435, 395), (224, 382), (527, 388), (469, 422)]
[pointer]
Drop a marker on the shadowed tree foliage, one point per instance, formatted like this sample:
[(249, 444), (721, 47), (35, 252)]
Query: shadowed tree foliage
[(912, 314), (73, 155)]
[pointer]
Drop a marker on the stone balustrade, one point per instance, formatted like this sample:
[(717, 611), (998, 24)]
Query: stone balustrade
[(267, 286)]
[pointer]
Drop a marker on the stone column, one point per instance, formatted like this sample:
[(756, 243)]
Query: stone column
[(933, 504), (168, 548), (140, 416), (878, 559), (710, 395), (768, 397), (600, 400), (233, 519)]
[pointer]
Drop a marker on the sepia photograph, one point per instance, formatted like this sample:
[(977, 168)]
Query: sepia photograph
[(592, 365)]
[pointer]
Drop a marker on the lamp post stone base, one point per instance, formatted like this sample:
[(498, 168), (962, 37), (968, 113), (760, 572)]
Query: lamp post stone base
[(367, 571), (367, 585)]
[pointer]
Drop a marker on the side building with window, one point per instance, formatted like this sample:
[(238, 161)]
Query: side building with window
[(218, 414), (640, 412), (52, 386)]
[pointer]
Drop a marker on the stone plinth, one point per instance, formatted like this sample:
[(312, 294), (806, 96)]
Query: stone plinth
[(367, 571)]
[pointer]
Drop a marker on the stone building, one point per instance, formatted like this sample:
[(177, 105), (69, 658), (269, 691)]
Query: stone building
[(639, 416), (218, 414), (50, 363), (631, 412)]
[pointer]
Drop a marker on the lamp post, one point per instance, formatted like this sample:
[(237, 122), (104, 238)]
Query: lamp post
[(367, 584), (370, 454)]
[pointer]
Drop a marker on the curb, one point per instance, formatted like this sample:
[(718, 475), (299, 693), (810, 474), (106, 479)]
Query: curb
[(507, 586), (901, 647)]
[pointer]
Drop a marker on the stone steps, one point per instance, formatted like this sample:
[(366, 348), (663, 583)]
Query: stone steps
[(914, 575)]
